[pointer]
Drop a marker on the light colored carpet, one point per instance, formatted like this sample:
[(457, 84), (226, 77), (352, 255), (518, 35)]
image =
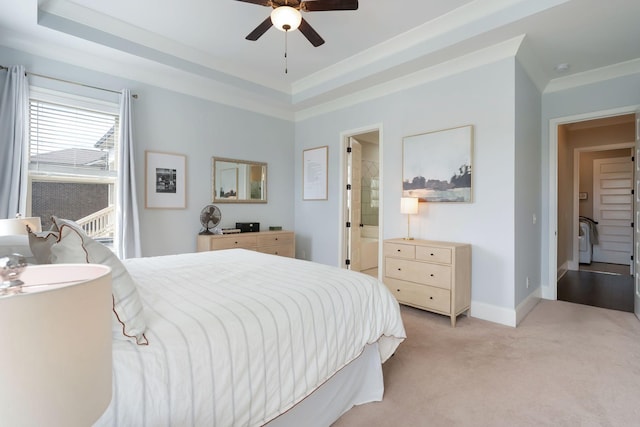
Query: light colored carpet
[(565, 365)]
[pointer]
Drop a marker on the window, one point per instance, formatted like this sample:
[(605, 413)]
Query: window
[(73, 146)]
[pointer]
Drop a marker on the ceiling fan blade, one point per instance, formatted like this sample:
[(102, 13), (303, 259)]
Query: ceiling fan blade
[(260, 29), (310, 33), (324, 5), (260, 2)]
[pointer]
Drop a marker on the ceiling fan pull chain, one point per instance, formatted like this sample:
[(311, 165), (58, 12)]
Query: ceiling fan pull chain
[(286, 60)]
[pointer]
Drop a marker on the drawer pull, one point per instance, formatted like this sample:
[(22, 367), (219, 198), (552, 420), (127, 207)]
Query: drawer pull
[(399, 269), (431, 254), (430, 297), (276, 238), (432, 275), (398, 290), (398, 250)]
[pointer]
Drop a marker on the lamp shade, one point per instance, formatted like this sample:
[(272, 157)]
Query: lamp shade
[(409, 205), (286, 15), (18, 225), (55, 346)]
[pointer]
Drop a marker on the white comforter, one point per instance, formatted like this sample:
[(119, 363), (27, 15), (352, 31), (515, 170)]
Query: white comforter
[(238, 337)]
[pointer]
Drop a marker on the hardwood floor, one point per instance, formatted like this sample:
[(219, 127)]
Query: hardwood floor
[(605, 290)]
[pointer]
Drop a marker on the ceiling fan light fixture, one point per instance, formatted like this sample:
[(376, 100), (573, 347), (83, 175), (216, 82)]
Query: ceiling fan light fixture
[(286, 18)]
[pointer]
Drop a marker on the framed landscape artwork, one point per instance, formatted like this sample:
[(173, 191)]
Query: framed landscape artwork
[(165, 180), (436, 166)]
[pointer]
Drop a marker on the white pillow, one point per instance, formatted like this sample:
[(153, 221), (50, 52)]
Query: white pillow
[(17, 244), (74, 246), (40, 243)]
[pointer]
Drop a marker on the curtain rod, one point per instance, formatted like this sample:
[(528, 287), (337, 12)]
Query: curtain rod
[(2, 67)]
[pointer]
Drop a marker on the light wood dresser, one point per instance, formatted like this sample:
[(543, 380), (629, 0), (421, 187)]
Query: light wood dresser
[(270, 242), (430, 275)]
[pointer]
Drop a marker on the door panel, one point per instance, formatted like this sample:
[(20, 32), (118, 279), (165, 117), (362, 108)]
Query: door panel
[(613, 209), (355, 203), (636, 254)]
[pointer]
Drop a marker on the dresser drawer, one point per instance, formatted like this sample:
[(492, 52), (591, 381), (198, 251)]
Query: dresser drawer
[(423, 296), (399, 251), (275, 239), (434, 254), (282, 250), (419, 272), (236, 241)]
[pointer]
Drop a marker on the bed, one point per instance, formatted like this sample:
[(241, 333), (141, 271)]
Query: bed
[(241, 338), (234, 337)]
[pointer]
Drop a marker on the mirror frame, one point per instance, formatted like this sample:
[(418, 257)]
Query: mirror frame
[(214, 192)]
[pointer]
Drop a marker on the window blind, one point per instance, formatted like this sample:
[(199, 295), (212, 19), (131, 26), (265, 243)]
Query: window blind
[(67, 140)]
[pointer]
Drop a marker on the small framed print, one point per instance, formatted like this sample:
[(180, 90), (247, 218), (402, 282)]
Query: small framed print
[(165, 180), (314, 173)]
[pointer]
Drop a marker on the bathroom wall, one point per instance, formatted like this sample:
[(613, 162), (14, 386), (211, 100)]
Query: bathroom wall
[(370, 184)]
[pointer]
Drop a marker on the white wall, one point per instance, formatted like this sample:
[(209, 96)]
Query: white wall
[(483, 97), (172, 122), (619, 93)]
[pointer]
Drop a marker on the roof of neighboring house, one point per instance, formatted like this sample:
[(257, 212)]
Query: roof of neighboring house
[(73, 156), (107, 140)]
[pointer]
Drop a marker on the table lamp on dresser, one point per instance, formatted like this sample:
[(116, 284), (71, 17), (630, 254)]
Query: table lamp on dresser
[(409, 206), (55, 343)]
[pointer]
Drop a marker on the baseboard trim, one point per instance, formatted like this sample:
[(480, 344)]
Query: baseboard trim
[(506, 316), (527, 305), (493, 313), (562, 270)]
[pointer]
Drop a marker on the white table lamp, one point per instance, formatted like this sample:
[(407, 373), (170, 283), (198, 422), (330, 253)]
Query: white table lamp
[(55, 346), (409, 206)]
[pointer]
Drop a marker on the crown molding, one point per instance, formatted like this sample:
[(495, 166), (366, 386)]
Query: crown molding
[(609, 72), (463, 23), (458, 65)]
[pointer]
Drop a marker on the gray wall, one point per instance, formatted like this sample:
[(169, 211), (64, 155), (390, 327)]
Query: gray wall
[(172, 122), (527, 189), (482, 97)]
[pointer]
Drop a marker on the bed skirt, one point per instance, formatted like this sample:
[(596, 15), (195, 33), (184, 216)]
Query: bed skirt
[(357, 383)]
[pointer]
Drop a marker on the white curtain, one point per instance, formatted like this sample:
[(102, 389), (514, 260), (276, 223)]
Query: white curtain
[(127, 238), (14, 134)]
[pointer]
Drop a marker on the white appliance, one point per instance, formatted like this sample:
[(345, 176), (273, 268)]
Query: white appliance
[(584, 243)]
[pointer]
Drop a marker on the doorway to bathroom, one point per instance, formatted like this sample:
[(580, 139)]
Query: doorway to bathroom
[(595, 212), (362, 202)]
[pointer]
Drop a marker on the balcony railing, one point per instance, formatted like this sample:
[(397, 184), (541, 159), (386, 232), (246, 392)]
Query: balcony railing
[(99, 224)]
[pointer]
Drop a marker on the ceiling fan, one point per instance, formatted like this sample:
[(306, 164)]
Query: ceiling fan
[(286, 16)]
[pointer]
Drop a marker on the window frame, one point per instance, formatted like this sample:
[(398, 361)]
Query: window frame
[(80, 102)]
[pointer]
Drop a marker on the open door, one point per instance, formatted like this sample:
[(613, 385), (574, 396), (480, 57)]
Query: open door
[(636, 252), (354, 203)]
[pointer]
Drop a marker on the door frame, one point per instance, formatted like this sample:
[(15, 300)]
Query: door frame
[(551, 290), (342, 206)]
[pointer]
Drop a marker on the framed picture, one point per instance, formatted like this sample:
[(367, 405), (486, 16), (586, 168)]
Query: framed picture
[(436, 166), (314, 173), (165, 180)]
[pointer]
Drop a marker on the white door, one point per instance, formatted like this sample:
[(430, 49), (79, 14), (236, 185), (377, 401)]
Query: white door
[(613, 209), (354, 202), (636, 254)]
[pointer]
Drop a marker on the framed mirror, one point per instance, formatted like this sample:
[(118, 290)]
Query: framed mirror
[(239, 181)]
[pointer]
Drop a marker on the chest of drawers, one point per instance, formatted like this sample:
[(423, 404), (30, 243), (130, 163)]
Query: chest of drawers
[(430, 275), (272, 242)]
